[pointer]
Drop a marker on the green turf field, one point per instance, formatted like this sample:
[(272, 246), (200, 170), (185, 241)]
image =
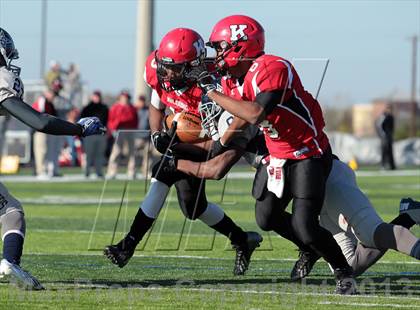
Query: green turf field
[(182, 264)]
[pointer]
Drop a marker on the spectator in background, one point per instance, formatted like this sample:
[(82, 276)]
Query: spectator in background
[(385, 128), (45, 146), (61, 104), (73, 116), (122, 115), (95, 146), (142, 141), (73, 85), (142, 113), (53, 74), (63, 109)]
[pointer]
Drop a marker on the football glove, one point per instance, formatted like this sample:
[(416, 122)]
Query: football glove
[(169, 163), (217, 148), (205, 80), (91, 126), (163, 140)]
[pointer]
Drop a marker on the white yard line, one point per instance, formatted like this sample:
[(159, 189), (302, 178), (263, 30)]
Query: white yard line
[(366, 304), (231, 175), (157, 287), (207, 257), (280, 293)]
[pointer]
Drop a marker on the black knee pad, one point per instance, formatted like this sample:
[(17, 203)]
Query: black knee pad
[(191, 197)]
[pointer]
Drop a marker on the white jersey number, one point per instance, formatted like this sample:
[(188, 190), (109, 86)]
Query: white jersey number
[(18, 87), (269, 130), (10, 85)]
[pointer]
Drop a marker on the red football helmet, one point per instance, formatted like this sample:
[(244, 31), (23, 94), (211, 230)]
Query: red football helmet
[(236, 37), (179, 50)]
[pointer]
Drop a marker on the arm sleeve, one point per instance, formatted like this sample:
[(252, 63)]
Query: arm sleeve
[(40, 121), (269, 100)]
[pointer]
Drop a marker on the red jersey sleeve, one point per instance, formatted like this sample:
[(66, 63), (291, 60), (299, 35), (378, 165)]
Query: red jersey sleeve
[(267, 74), (150, 75)]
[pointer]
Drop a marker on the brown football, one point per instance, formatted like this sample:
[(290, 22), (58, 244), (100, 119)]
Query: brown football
[(188, 128)]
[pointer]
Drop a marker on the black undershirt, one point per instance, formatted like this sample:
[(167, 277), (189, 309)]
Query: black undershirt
[(269, 100)]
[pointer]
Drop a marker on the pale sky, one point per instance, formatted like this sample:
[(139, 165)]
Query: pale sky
[(366, 41)]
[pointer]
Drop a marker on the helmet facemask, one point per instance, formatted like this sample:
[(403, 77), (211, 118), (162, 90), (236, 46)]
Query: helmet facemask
[(179, 80), (209, 113)]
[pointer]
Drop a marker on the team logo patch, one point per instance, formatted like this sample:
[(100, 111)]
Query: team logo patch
[(237, 32)]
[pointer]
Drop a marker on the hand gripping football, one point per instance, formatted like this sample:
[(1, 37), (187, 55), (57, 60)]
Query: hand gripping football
[(188, 128)]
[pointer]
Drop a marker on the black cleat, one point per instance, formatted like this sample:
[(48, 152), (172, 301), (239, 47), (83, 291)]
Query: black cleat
[(244, 252), (303, 265), (120, 253), (346, 285)]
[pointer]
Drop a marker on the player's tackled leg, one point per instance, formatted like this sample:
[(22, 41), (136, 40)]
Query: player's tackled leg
[(375, 240), (395, 235)]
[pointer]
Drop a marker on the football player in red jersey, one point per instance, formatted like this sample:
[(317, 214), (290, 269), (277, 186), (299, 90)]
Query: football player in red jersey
[(347, 213), (179, 51), (266, 90)]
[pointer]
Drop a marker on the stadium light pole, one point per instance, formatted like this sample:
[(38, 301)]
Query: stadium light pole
[(43, 38), (144, 43), (414, 87)]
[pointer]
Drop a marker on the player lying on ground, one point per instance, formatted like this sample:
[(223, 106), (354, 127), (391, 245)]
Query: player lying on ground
[(347, 213), (362, 235), (293, 125), (11, 212), (179, 51)]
